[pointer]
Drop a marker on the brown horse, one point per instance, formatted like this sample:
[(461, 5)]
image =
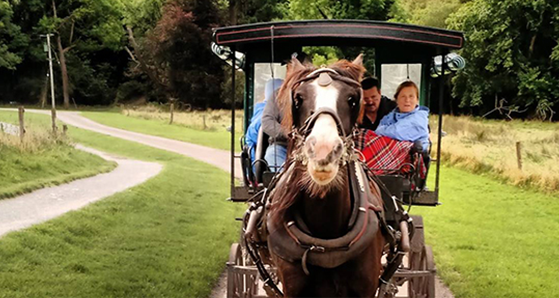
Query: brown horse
[(324, 235)]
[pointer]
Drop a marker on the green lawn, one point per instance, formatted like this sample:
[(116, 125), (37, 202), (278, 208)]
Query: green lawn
[(494, 240), (168, 237), (41, 161), (216, 139)]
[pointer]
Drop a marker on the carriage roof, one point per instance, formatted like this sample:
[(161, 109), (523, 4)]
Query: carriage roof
[(338, 33)]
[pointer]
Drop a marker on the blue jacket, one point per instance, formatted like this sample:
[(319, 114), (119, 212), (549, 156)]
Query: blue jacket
[(410, 126), (252, 131)]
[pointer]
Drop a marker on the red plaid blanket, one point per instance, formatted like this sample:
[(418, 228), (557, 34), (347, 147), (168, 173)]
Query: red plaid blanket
[(384, 155)]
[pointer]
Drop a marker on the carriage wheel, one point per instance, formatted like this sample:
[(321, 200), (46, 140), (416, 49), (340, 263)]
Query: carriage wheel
[(240, 283), (424, 286), (421, 259)]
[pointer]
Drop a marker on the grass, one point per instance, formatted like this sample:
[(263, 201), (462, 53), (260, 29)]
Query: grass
[(486, 146), (216, 137), (492, 239), (41, 160), (168, 237)]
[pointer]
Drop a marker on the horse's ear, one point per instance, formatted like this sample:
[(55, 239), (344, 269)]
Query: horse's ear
[(358, 60), (294, 66)]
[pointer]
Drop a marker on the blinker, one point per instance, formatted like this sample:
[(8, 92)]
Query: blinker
[(324, 79)]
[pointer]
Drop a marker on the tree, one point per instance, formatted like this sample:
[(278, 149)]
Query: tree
[(11, 38), (87, 25), (354, 9), (512, 53), (349, 9), (176, 53), (432, 13)]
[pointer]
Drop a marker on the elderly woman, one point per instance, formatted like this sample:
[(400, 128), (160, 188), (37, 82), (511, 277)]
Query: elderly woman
[(409, 121), (388, 148)]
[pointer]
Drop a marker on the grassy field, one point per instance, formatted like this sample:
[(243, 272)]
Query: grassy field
[(41, 160), (480, 146), (492, 239), (168, 237), (489, 146), (215, 136)]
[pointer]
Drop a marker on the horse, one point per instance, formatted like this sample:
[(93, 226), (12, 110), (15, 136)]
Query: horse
[(323, 221)]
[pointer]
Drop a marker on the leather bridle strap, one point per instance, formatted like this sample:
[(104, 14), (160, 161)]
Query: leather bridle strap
[(309, 123)]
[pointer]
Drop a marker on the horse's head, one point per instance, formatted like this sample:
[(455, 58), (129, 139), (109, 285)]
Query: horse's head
[(322, 105)]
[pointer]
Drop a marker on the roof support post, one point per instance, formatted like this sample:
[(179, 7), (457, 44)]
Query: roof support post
[(442, 52), (233, 122)]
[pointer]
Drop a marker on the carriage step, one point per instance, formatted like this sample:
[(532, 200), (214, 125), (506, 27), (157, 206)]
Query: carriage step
[(425, 198), (403, 273)]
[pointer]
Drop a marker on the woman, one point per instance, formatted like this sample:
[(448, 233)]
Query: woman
[(388, 148), (409, 121)]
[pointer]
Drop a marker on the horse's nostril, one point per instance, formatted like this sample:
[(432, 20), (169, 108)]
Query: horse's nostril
[(339, 148), (310, 144), (311, 141)]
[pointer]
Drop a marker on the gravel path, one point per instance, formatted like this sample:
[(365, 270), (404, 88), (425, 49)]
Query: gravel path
[(215, 157), (47, 203)]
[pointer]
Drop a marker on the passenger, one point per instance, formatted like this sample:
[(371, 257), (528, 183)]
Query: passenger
[(409, 121), (376, 104), (276, 153), (270, 92)]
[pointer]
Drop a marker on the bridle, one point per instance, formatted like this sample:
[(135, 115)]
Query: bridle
[(325, 77)]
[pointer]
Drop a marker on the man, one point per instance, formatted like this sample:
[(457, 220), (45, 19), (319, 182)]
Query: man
[(376, 105)]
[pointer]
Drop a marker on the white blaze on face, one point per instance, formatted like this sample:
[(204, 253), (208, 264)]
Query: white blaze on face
[(324, 137)]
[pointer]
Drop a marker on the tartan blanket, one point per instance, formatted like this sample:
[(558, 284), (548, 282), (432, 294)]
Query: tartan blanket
[(384, 155)]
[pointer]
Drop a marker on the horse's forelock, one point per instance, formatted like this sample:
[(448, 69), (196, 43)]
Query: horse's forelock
[(348, 69), (284, 95), (355, 72)]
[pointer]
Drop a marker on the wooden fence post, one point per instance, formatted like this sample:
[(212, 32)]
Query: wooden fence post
[(172, 110), (519, 155), (53, 116), (64, 129), (204, 122), (21, 110)]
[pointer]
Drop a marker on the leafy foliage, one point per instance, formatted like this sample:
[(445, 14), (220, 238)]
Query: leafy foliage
[(11, 38), (178, 56), (512, 53), (432, 13)]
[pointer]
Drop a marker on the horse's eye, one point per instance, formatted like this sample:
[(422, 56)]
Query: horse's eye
[(298, 100)]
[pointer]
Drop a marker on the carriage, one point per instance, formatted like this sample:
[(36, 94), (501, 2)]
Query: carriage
[(400, 52)]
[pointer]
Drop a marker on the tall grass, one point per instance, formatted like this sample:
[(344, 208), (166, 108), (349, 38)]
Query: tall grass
[(211, 120), (485, 146), (35, 140), (41, 159)]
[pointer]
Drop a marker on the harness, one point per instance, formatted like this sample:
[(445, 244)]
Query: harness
[(291, 240)]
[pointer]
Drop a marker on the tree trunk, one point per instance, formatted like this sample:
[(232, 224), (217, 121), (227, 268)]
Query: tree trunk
[(64, 72), (233, 12)]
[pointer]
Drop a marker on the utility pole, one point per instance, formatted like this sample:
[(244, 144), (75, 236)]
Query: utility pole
[(53, 109)]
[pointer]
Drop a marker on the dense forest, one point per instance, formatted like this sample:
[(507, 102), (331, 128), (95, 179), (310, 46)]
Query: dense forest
[(120, 51)]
